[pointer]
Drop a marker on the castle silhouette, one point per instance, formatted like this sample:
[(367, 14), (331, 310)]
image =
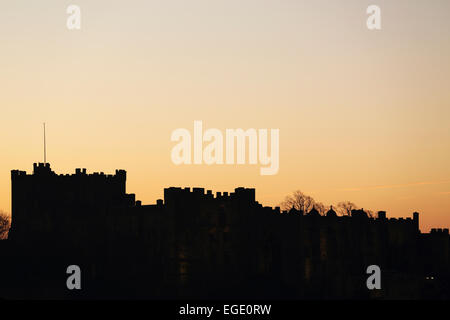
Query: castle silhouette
[(194, 244)]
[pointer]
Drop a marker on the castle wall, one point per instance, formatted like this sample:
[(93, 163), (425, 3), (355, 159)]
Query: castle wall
[(193, 242)]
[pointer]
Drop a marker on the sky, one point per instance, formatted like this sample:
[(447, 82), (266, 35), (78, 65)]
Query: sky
[(363, 115)]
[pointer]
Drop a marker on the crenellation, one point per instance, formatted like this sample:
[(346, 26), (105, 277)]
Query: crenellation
[(178, 225), (198, 191), (439, 231)]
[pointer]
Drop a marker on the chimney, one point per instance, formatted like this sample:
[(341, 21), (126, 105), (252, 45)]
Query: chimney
[(381, 215)]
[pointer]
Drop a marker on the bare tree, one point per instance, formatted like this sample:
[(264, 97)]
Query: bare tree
[(370, 213), (345, 208), (5, 223), (299, 201), (320, 207)]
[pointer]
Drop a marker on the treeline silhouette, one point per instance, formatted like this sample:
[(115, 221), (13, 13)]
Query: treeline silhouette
[(304, 203)]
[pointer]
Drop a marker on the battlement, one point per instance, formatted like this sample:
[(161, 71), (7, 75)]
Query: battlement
[(46, 191), (414, 220), (18, 173), (40, 169), (199, 193), (439, 231), (43, 194), (400, 220)]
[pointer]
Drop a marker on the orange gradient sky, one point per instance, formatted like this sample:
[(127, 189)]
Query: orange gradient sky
[(363, 115)]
